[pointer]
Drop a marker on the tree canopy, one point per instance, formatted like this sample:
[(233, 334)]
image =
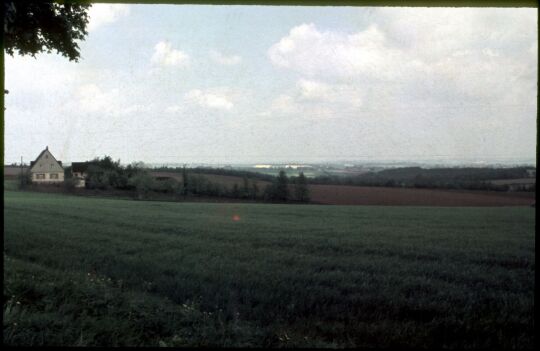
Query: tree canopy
[(31, 27), (301, 189)]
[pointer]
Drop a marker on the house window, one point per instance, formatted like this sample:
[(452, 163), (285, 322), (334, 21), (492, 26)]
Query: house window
[(40, 176), (54, 176)]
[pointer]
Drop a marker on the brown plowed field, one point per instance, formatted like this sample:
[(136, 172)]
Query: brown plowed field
[(360, 195), (514, 181)]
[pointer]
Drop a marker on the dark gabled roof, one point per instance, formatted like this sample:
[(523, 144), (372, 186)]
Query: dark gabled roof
[(79, 166)]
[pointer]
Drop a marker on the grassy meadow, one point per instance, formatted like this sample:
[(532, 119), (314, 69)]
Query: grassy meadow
[(94, 272)]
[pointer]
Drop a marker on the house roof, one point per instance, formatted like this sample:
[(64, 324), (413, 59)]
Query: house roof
[(32, 163), (79, 166), (14, 170)]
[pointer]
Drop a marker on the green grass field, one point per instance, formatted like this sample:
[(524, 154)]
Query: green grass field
[(91, 271)]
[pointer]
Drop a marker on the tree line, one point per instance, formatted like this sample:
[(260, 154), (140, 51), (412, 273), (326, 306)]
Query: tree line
[(468, 178), (219, 171), (107, 174)]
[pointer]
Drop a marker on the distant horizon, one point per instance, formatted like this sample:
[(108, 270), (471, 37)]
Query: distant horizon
[(463, 162), (440, 160)]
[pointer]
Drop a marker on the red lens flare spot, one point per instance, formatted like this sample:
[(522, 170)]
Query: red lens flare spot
[(236, 218)]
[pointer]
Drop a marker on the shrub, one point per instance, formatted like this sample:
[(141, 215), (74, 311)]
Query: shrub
[(24, 180), (143, 182), (70, 184)]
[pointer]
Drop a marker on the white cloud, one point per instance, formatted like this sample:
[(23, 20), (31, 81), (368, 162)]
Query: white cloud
[(321, 92), (314, 99), (453, 63), (165, 55), (284, 104), (310, 89), (173, 109), (225, 60), (428, 54), (209, 100), (434, 33), (102, 14), (90, 98), (332, 54)]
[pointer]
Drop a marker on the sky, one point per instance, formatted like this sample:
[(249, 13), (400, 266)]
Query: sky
[(259, 84)]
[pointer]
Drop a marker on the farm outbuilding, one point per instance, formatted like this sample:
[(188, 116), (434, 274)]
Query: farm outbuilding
[(79, 172), (46, 169), (14, 171)]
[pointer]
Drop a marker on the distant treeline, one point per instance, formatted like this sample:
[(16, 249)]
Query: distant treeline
[(279, 189), (448, 178), (106, 174)]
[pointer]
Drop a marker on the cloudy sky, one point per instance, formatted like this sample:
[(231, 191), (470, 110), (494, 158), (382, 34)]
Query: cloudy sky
[(240, 84)]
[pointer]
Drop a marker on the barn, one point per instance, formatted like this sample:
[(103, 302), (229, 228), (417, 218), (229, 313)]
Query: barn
[(14, 171), (46, 169)]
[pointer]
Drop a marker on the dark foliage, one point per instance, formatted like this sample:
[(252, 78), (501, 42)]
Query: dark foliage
[(106, 174), (279, 189), (417, 177), (219, 171), (68, 174), (185, 180), (301, 191), (31, 27), (24, 179)]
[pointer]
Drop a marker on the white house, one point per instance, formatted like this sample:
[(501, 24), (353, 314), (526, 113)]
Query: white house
[(46, 169)]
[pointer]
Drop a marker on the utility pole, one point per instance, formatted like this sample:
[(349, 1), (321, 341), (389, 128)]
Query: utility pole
[(22, 175), (185, 180)]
